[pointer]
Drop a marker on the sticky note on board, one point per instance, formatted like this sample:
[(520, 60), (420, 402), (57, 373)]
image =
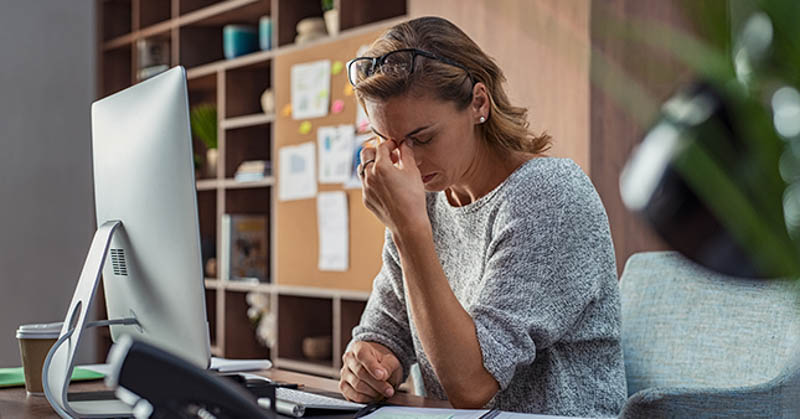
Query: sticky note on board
[(348, 89), (338, 106), (337, 67), (287, 110), (305, 128)]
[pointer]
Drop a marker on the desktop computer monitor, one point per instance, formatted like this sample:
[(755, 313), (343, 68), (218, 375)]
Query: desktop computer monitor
[(148, 240)]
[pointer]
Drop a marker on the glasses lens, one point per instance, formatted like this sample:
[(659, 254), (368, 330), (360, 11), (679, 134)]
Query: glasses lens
[(397, 63), (359, 69)]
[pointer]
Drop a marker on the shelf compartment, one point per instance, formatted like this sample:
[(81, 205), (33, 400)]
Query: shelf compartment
[(243, 89), (200, 45), (211, 313), (117, 19), (154, 11), (153, 51), (117, 69), (308, 317), (240, 337), (252, 201), (242, 144), (356, 13), (291, 12), (203, 91), (350, 316), (207, 216)]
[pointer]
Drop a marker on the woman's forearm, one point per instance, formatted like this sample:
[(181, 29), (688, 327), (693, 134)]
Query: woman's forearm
[(446, 330)]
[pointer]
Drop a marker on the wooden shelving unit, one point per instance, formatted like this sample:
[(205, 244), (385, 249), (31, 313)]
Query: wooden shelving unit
[(194, 31)]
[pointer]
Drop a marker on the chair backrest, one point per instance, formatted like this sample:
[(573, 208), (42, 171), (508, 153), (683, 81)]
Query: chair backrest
[(685, 326)]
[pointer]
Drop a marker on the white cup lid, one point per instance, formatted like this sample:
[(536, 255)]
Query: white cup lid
[(39, 331)]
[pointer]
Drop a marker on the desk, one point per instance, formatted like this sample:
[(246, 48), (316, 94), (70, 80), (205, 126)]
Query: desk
[(15, 403)]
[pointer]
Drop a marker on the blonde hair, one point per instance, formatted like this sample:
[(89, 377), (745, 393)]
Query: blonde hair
[(506, 128)]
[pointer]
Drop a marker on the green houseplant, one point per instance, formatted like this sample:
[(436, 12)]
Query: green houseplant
[(204, 127)]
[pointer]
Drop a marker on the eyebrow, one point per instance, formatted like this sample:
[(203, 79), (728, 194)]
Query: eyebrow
[(407, 135)]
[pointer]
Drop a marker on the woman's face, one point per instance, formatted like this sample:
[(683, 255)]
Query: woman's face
[(443, 138)]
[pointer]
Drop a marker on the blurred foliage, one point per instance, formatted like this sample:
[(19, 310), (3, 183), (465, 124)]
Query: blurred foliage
[(204, 124), (742, 156)]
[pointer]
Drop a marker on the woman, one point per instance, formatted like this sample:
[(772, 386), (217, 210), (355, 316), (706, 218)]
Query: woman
[(498, 274)]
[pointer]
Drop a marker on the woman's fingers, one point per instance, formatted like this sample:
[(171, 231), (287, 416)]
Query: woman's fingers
[(351, 394), (383, 152), (359, 371)]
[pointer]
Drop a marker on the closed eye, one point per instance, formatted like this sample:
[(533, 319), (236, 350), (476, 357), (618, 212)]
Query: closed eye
[(418, 141)]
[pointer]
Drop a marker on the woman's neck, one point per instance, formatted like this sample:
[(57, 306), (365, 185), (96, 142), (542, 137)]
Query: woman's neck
[(489, 169)]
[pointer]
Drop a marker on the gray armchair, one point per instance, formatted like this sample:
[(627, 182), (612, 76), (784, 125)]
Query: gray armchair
[(700, 344)]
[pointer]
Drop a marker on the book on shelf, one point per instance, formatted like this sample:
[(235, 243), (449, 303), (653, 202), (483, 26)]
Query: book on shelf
[(245, 248)]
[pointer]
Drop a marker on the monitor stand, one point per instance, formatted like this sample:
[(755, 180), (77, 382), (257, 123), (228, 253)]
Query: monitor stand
[(60, 360)]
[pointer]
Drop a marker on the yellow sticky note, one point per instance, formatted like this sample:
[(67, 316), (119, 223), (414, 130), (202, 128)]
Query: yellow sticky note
[(348, 89), (337, 67), (305, 128), (287, 110)]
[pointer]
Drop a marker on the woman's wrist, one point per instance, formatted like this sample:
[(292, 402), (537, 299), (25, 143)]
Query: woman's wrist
[(412, 232)]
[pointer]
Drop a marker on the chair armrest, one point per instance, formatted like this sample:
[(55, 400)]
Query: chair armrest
[(777, 398)]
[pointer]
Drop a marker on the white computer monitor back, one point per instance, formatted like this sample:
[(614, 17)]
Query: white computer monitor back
[(144, 176)]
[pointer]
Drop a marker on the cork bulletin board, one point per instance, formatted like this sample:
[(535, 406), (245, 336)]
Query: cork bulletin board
[(296, 235)]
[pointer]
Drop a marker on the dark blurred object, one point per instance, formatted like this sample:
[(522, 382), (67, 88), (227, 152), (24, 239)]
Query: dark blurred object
[(697, 181), (161, 385)]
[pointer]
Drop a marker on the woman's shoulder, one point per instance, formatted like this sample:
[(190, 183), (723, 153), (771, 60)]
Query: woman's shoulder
[(547, 179)]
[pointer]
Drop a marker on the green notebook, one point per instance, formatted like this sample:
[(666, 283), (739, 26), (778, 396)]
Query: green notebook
[(13, 377)]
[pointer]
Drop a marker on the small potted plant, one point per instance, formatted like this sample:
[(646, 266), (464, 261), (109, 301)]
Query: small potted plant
[(204, 128), (331, 15)]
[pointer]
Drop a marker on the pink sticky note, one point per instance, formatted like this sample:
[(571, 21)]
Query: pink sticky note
[(338, 106)]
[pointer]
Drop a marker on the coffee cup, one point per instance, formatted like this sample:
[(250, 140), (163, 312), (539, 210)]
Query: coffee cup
[(35, 341)]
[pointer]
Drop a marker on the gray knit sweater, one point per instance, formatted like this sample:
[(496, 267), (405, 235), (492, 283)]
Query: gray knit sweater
[(533, 263)]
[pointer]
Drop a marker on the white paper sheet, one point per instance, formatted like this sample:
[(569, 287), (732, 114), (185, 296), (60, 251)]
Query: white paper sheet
[(332, 224), (335, 151), (358, 143), (402, 412), (311, 88), (234, 365), (297, 178)]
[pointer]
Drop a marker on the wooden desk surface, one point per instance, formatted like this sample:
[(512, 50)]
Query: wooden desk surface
[(15, 403)]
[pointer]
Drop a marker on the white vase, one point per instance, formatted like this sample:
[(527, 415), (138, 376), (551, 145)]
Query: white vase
[(211, 162), (332, 21)]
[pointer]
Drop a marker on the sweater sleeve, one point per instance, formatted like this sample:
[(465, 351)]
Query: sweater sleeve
[(540, 277), (385, 319)]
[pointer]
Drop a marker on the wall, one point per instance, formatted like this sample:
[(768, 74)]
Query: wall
[(542, 46), (46, 202)]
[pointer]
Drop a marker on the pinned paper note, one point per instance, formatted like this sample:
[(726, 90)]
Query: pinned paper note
[(348, 89), (358, 143), (338, 106), (287, 110), (337, 67), (335, 148), (297, 178), (305, 128), (332, 225), (311, 84)]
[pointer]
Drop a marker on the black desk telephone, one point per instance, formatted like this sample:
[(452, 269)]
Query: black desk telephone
[(169, 387)]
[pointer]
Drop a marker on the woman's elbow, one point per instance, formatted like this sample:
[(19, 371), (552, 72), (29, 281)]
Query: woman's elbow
[(475, 396)]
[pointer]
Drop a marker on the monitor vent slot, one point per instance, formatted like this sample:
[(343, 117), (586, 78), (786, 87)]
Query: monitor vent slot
[(118, 262)]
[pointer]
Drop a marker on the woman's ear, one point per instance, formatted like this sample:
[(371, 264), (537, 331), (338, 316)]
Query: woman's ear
[(480, 103)]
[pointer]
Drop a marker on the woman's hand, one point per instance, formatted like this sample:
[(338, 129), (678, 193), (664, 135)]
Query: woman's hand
[(370, 372), (392, 186)]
